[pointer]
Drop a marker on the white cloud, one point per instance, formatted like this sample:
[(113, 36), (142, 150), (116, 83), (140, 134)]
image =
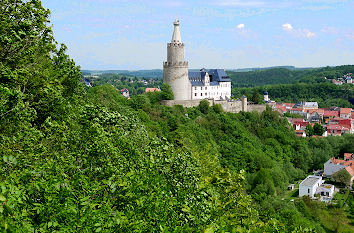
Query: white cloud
[(298, 32), (241, 26), (287, 27), (308, 33)]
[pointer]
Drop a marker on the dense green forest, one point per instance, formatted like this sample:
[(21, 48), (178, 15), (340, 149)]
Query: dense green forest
[(135, 85), (284, 85), (76, 159), (326, 94), (287, 76)]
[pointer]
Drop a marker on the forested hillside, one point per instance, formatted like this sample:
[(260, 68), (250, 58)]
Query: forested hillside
[(287, 76), (89, 160)]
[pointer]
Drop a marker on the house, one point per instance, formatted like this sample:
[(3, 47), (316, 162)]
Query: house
[(329, 114), (300, 133), (309, 186), (337, 82), (345, 113), (306, 105), (336, 130), (347, 123), (87, 82), (153, 89), (334, 165), (348, 156), (125, 92), (315, 185), (314, 117), (326, 192)]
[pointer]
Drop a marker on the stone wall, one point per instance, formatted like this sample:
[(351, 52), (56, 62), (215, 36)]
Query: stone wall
[(256, 107), (228, 106)]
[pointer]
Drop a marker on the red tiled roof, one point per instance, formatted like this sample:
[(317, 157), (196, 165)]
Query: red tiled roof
[(152, 89), (297, 109), (348, 155), (296, 120), (124, 90), (288, 104), (345, 110), (331, 113), (350, 170), (319, 111), (336, 127)]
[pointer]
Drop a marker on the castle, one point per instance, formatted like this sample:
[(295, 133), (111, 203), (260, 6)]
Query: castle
[(189, 88), (205, 84)]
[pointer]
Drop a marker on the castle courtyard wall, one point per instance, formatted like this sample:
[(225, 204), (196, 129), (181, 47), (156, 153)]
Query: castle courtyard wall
[(228, 106)]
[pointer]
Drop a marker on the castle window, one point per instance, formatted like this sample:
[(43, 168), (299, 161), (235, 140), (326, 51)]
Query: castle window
[(206, 94), (195, 88), (201, 94), (195, 94), (206, 88)]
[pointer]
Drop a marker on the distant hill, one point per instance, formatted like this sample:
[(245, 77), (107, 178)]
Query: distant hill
[(288, 75), (247, 77), (267, 68)]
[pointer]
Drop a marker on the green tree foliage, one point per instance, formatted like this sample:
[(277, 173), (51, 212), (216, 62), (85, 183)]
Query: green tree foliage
[(318, 129), (167, 93), (309, 130), (287, 76), (204, 106), (255, 97), (342, 176)]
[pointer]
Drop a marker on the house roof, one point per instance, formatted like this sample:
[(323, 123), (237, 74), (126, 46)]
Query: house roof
[(311, 180), (124, 90), (219, 75), (350, 170), (319, 111), (336, 127), (349, 155), (331, 113), (345, 110), (152, 89)]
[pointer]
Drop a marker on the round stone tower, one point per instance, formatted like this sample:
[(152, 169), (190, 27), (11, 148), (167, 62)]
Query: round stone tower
[(175, 70)]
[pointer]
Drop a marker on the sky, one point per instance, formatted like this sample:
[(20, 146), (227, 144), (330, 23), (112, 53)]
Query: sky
[(229, 34)]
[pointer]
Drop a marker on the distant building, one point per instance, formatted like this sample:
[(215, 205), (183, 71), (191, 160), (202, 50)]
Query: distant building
[(345, 113), (152, 89), (306, 105), (315, 185), (266, 97), (334, 165), (125, 92), (87, 82), (309, 185), (336, 82)]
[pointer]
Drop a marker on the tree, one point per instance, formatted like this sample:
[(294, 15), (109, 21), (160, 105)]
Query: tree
[(309, 130), (255, 97), (318, 129), (342, 176), (167, 93), (218, 108), (204, 106)]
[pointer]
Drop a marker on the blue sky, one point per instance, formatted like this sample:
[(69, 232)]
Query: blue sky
[(132, 34)]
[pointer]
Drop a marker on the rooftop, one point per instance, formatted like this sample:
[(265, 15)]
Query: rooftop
[(311, 180)]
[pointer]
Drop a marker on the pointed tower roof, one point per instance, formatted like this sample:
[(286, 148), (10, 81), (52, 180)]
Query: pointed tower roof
[(176, 37)]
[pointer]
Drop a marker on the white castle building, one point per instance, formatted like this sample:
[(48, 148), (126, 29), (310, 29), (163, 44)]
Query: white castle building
[(205, 84)]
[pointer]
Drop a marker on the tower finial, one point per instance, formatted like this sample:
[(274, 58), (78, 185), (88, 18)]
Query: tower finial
[(176, 37)]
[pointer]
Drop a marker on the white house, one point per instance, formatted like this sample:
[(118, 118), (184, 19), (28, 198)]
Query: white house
[(309, 186)]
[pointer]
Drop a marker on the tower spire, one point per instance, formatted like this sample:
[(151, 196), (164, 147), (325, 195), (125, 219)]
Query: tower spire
[(176, 37)]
